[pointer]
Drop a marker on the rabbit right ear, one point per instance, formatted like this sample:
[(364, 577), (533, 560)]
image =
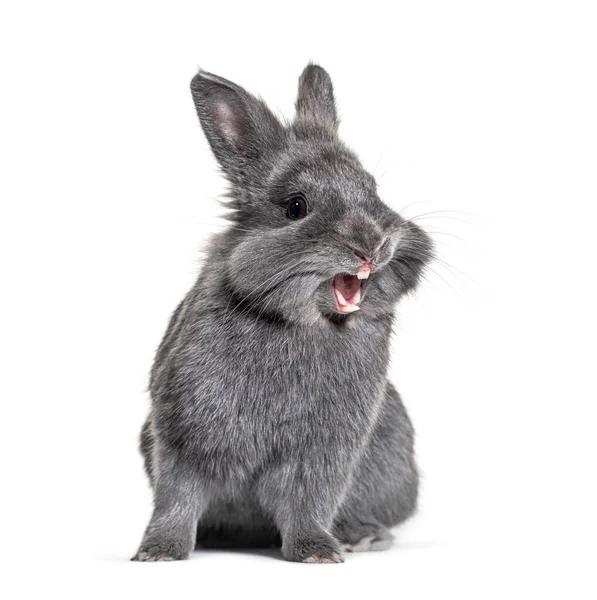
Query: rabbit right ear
[(239, 127), (315, 101)]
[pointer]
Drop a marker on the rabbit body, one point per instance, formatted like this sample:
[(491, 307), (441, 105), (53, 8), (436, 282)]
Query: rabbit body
[(272, 418)]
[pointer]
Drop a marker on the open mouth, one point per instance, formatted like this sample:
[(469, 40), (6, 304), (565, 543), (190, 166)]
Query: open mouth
[(347, 292)]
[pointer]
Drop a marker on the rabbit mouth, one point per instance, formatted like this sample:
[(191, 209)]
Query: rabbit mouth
[(347, 292)]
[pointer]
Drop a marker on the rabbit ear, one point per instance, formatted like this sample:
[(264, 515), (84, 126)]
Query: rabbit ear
[(315, 100), (239, 127)]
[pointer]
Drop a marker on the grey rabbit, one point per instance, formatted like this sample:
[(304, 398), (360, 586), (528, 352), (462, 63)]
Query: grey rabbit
[(272, 419)]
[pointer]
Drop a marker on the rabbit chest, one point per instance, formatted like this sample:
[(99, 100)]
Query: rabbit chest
[(238, 397)]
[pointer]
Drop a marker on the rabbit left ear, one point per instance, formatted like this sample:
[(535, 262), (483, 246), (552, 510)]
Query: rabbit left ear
[(239, 127), (315, 101)]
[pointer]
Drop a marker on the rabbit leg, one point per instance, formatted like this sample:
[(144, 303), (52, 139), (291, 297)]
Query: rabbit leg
[(358, 536), (384, 489), (178, 503), (302, 500)]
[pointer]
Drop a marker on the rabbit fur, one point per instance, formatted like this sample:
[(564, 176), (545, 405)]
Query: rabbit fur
[(272, 419)]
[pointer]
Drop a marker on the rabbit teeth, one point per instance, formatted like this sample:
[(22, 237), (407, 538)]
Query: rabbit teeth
[(363, 274)]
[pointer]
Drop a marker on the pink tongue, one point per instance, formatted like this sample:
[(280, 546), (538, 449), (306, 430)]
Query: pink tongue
[(347, 289)]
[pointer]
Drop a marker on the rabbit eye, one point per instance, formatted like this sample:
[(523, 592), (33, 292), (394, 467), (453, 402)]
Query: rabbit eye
[(297, 208)]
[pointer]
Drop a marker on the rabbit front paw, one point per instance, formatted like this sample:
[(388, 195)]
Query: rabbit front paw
[(313, 548), (162, 550)]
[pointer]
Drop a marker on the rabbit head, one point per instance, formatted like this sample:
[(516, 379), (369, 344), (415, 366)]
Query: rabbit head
[(311, 238)]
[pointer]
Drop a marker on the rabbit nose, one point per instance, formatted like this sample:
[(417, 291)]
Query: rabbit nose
[(364, 236)]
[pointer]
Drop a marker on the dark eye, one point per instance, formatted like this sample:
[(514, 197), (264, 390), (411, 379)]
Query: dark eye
[(297, 208)]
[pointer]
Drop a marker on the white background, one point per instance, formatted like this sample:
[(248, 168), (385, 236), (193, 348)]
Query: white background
[(478, 118)]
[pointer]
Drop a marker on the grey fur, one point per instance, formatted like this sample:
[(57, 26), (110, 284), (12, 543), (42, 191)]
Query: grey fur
[(272, 419)]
